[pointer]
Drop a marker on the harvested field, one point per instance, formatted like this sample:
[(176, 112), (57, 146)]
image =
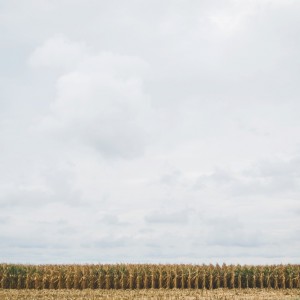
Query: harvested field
[(246, 294)]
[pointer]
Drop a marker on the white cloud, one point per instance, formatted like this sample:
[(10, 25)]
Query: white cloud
[(58, 52), (149, 131), (100, 102)]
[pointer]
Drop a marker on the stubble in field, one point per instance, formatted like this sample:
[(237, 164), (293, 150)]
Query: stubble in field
[(226, 294)]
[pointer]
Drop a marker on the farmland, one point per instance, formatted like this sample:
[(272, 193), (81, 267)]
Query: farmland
[(146, 281), (159, 294), (147, 276)]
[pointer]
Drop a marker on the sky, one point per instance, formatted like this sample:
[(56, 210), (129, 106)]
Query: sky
[(150, 131)]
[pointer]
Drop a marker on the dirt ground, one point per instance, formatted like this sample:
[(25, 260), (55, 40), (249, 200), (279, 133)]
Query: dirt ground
[(246, 294)]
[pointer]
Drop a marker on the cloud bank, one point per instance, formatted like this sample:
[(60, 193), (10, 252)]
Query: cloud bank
[(149, 132)]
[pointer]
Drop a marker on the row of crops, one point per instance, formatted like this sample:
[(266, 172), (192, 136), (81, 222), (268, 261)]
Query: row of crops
[(145, 276)]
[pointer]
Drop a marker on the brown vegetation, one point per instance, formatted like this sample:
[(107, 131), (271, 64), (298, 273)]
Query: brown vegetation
[(149, 294), (146, 276)]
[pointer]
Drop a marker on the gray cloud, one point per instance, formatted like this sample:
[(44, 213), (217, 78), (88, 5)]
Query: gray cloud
[(265, 178), (24, 244), (100, 100), (160, 132), (172, 178), (112, 220), (110, 243), (180, 217), (53, 190), (4, 219), (231, 232)]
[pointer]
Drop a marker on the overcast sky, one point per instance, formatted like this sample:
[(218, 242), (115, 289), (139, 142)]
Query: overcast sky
[(150, 131)]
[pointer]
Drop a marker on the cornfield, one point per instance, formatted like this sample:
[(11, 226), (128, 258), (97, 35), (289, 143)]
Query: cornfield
[(148, 276)]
